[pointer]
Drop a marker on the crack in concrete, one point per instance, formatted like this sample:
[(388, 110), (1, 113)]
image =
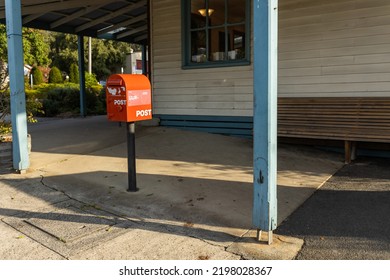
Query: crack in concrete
[(221, 246), (54, 189)]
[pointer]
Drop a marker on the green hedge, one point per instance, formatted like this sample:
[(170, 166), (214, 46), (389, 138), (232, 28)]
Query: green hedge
[(55, 76), (74, 73), (62, 99), (37, 76)]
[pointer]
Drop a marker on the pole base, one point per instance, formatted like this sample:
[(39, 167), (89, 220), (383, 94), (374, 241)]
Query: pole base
[(270, 236)]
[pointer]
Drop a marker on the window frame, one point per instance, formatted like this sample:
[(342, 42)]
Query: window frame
[(186, 37)]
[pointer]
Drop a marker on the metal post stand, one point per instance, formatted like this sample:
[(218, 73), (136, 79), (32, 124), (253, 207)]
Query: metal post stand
[(132, 184)]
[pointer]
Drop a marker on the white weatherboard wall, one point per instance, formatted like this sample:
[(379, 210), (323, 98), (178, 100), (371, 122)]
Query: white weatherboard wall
[(334, 48), (326, 48), (225, 91)]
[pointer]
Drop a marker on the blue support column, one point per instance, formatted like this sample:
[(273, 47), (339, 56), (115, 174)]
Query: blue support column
[(83, 110), (16, 75), (265, 116)]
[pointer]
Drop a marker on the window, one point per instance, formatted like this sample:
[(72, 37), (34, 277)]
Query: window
[(215, 33)]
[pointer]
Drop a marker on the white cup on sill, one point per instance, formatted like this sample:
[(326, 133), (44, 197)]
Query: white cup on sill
[(232, 55)]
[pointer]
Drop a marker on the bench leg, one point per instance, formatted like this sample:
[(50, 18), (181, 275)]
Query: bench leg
[(347, 151), (354, 150)]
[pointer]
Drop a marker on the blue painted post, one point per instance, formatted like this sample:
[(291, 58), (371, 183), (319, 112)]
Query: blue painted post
[(265, 116), (82, 76), (16, 75)]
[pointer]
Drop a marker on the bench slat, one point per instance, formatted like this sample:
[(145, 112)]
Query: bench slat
[(335, 118)]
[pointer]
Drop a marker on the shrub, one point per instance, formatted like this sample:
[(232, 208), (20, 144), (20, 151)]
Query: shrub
[(5, 125), (33, 106), (59, 100), (74, 74), (90, 80), (65, 99), (55, 76), (37, 76)]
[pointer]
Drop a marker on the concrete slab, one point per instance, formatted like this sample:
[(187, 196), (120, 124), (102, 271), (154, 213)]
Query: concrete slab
[(181, 169), (69, 227), (282, 247), (22, 196), (143, 244), (54, 140), (17, 246), (195, 189)]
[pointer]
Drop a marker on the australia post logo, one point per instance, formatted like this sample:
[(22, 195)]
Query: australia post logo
[(114, 91), (120, 102), (143, 113)]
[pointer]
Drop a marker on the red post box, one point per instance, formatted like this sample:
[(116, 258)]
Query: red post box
[(128, 98)]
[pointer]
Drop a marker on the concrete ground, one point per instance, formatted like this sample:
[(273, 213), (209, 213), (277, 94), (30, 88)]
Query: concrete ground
[(194, 199)]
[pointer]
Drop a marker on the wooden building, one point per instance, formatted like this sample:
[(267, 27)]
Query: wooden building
[(334, 51)]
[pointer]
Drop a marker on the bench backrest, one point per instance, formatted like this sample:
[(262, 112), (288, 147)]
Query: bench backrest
[(336, 118)]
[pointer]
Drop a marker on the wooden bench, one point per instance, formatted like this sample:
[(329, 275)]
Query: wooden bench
[(351, 119)]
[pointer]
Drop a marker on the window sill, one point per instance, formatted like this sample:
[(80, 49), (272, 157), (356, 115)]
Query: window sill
[(216, 64)]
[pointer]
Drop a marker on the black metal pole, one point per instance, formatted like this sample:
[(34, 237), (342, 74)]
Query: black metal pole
[(132, 187)]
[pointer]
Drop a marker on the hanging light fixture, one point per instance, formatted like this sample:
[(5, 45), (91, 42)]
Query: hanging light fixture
[(204, 11)]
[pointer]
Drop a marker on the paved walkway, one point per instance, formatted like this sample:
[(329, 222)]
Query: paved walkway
[(194, 202)]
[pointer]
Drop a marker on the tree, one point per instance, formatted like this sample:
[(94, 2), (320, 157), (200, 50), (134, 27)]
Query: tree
[(55, 76), (35, 46), (3, 43), (74, 74), (107, 55), (4, 99), (37, 75), (63, 50), (90, 80)]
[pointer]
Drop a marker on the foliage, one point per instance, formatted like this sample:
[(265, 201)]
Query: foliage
[(56, 99), (55, 76), (90, 80), (37, 76), (42, 90), (3, 43), (5, 126), (64, 99), (74, 73), (63, 50), (61, 100), (33, 105), (33, 108), (35, 45), (107, 56)]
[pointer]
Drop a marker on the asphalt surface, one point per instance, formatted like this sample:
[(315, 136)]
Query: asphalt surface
[(349, 217)]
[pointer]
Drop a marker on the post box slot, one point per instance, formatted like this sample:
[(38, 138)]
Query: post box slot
[(115, 82)]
